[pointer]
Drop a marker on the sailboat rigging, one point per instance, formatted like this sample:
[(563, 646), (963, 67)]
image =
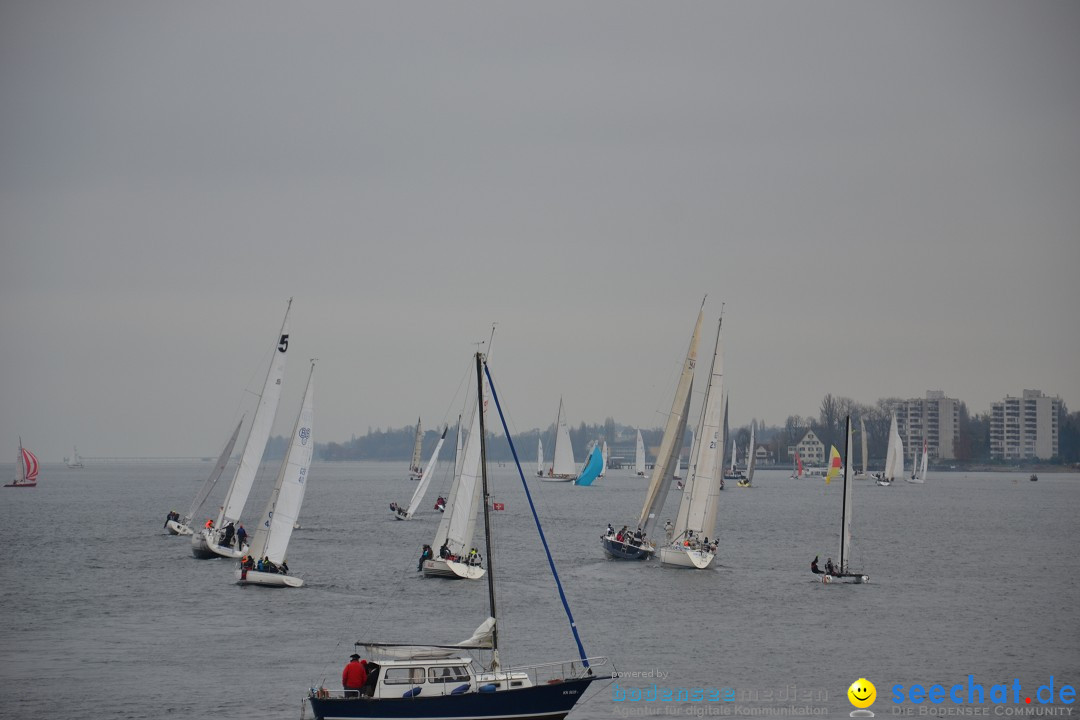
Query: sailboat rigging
[(404, 513), (174, 524), (842, 572), (429, 682)]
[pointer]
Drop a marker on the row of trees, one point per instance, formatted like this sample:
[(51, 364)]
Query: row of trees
[(972, 444)]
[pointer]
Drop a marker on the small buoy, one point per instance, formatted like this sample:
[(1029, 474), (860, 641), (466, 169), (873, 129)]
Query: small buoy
[(826, 579)]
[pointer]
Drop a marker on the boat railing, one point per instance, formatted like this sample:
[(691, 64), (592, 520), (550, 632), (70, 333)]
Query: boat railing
[(558, 671)]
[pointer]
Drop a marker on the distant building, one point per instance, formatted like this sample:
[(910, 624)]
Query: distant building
[(935, 419), (810, 449), (1025, 428), (762, 456)]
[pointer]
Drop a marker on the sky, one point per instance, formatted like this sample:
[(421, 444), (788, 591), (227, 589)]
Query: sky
[(884, 196)]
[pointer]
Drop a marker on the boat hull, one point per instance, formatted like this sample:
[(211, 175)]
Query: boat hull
[(625, 551), (684, 557), (849, 579), (205, 548), (438, 567), (176, 528), (552, 701), (34, 484), (559, 478), (265, 579)]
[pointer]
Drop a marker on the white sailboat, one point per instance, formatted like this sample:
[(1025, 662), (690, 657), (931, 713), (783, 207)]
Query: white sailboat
[(174, 524), (689, 545), (563, 468), (270, 546), (639, 456), (456, 556), (918, 472), (751, 455), (843, 572), (539, 457), (629, 544), (603, 459), (74, 462), (401, 513), (864, 441), (894, 457), (26, 468), (415, 470), (214, 540)]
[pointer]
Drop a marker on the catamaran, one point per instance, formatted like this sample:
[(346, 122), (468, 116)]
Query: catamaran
[(689, 546), (210, 542), (271, 543), (627, 544), (563, 468), (26, 468), (444, 682), (842, 572)]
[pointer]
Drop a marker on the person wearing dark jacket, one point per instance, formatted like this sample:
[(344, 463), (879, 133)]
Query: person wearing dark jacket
[(425, 555), (353, 677), (813, 566)]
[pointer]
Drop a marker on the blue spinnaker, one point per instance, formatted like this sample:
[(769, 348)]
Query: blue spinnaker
[(593, 465)]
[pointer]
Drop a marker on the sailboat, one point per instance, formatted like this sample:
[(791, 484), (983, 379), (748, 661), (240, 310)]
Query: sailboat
[(415, 470), (74, 462), (457, 557), (918, 472), (402, 513), (639, 456), (26, 468), (843, 573), (174, 524), (864, 441), (689, 546), (539, 457), (424, 682), (210, 541), (751, 456), (894, 457), (594, 465), (797, 469), (603, 459), (634, 544), (733, 472), (276, 525), (563, 468)]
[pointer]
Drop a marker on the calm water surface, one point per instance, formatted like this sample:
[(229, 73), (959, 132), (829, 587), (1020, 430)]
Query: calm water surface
[(105, 615)]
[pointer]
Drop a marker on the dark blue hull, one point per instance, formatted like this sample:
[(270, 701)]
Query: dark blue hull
[(542, 702), (624, 551)]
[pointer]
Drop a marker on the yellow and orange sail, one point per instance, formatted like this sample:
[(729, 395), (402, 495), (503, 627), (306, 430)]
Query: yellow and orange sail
[(834, 464)]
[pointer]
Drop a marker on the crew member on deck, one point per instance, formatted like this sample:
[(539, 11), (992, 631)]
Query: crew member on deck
[(425, 555), (353, 676), (813, 566)]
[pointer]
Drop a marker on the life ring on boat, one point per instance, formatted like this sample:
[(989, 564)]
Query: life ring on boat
[(826, 579)]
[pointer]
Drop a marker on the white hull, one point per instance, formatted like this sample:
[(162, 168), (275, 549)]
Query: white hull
[(849, 579), (884, 483), (254, 577), (176, 528), (558, 478), (683, 557), (437, 567), (915, 481), (205, 549)]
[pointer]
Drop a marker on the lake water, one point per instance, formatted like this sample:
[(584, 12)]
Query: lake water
[(107, 616)]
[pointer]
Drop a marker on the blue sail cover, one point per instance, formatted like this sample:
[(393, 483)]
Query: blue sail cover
[(592, 468)]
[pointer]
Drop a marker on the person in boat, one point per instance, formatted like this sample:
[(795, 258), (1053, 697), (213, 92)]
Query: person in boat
[(230, 530), (372, 669), (426, 554), (394, 507), (173, 516), (444, 552), (283, 568), (829, 567), (209, 524), (813, 566), (669, 530), (474, 557), (241, 537), (610, 531), (353, 677), (247, 562)]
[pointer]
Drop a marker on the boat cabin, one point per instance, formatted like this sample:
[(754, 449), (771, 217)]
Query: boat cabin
[(428, 677)]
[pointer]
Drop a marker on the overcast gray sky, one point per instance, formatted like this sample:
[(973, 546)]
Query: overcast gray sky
[(886, 196)]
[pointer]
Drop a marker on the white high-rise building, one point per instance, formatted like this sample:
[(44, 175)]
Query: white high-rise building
[(935, 419), (1025, 428)]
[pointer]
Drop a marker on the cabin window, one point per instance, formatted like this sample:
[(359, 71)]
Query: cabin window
[(403, 675), (448, 673)]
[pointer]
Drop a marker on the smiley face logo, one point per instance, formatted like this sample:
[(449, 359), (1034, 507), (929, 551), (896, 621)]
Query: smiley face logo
[(862, 693)]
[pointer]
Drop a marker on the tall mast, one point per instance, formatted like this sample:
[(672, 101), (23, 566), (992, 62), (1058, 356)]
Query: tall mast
[(844, 520), (487, 515)]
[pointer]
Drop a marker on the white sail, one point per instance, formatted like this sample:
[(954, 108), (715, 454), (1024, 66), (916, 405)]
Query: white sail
[(925, 458), (639, 455), (277, 521), (845, 531), (425, 478), (259, 432), (894, 454), (701, 493), (603, 459), (734, 453), (751, 455), (563, 465), (864, 441), (673, 432), (458, 522), (211, 481), (459, 456), (539, 456), (418, 440)]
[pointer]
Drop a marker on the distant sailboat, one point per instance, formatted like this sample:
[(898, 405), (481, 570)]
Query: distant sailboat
[(639, 456), (174, 524), (415, 470), (26, 468), (894, 457), (74, 462), (603, 459), (751, 456), (403, 513), (594, 465), (689, 546), (539, 457), (797, 469), (865, 443), (210, 541), (563, 468), (634, 544), (271, 541), (918, 472), (842, 572)]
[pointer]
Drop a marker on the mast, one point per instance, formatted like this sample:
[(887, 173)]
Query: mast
[(487, 513), (845, 516)]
